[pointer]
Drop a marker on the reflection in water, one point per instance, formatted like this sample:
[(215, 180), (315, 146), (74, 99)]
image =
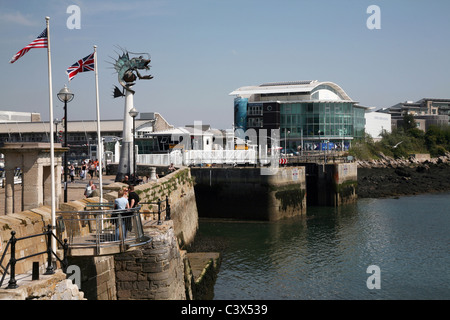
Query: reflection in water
[(326, 255)]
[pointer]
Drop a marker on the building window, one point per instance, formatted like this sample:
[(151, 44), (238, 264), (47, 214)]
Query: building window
[(255, 110), (255, 122)]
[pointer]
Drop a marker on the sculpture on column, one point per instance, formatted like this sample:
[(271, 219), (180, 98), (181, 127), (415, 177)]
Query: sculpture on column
[(127, 73)]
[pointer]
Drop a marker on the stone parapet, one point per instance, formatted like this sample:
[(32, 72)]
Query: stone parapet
[(48, 287)]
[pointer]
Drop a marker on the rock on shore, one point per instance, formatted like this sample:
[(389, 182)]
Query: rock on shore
[(389, 177)]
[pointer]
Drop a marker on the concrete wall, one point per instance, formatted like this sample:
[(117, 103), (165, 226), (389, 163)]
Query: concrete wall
[(331, 184), (245, 193), (345, 183)]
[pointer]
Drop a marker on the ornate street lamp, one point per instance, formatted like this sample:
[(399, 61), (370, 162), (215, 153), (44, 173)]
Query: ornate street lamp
[(134, 113), (64, 95)]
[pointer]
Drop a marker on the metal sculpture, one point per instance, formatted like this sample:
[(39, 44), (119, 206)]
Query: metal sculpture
[(128, 70)]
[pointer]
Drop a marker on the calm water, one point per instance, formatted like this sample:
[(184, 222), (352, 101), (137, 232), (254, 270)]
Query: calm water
[(326, 256)]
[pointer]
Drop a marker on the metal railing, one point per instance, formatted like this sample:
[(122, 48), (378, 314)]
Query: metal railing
[(99, 226), (162, 207), (12, 284)]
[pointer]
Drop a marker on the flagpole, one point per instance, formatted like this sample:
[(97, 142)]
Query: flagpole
[(52, 144), (99, 138)]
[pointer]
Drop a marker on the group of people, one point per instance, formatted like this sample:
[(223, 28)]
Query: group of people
[(90, 168), (126, 198)]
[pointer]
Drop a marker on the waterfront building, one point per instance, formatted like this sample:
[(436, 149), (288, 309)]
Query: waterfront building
[(310, 115), (426, 112), (81, 134), (193, 145)]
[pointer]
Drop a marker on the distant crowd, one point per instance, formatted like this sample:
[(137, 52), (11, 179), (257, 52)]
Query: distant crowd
[(87, 169)]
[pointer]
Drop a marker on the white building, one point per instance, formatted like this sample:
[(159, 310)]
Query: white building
[(376, 123), (18, 116)]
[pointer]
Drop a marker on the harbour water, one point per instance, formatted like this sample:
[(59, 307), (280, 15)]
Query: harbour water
[(326, 255)]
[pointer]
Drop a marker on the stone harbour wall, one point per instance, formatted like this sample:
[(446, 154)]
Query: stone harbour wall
[(25, 223), (247, 193), (97, 276), (154, 271)]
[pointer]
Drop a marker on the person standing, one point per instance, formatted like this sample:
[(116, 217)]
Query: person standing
[(83, 171), (91, 168), (72, 172), (133, 197), (121, 203)]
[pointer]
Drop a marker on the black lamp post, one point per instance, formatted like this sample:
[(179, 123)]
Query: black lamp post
[(133, 113), (56, 122), (64, 95)]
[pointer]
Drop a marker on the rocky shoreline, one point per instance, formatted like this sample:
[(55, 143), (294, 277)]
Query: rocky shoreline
[(388, 177)]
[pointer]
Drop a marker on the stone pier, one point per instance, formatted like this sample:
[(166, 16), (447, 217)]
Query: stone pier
[(246, 193), (331, 184)]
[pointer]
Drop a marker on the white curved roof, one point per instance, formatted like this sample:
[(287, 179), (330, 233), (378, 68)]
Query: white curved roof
[(308, 86)]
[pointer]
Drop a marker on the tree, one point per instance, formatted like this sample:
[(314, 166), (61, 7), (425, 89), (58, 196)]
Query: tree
[(409, 122)]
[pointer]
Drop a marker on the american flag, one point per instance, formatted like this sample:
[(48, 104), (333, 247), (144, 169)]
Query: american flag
[(39, 42), (85, 64)]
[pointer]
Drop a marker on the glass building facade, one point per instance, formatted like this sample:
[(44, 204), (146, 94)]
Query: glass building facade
[(332, 121), (312, 114)]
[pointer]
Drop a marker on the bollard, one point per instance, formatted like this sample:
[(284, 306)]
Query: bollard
[(167, 208), (159, 212), (35, 272)]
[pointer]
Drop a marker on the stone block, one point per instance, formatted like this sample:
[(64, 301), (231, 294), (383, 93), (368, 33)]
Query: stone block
[(126, 276)]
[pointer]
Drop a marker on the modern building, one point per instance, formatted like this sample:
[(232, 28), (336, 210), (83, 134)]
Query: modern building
[(310, 115), (81, 135), (426, 111)]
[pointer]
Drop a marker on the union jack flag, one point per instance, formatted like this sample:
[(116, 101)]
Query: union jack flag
[(40, 42), (85, 64)]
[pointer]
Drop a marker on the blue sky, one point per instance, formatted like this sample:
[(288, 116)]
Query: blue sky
[(201, 50)]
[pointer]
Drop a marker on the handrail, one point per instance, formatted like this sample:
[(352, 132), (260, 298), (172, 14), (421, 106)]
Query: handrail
[(166, 209), (12, 284), (102, 228)]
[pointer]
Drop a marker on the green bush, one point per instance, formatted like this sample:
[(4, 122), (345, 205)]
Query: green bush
[(402, 142)]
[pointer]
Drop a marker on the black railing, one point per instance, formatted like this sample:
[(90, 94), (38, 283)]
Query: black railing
[(12, 284), (160, 210)]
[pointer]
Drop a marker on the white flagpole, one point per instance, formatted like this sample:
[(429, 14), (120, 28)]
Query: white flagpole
[(52, 145), (99, 138)]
